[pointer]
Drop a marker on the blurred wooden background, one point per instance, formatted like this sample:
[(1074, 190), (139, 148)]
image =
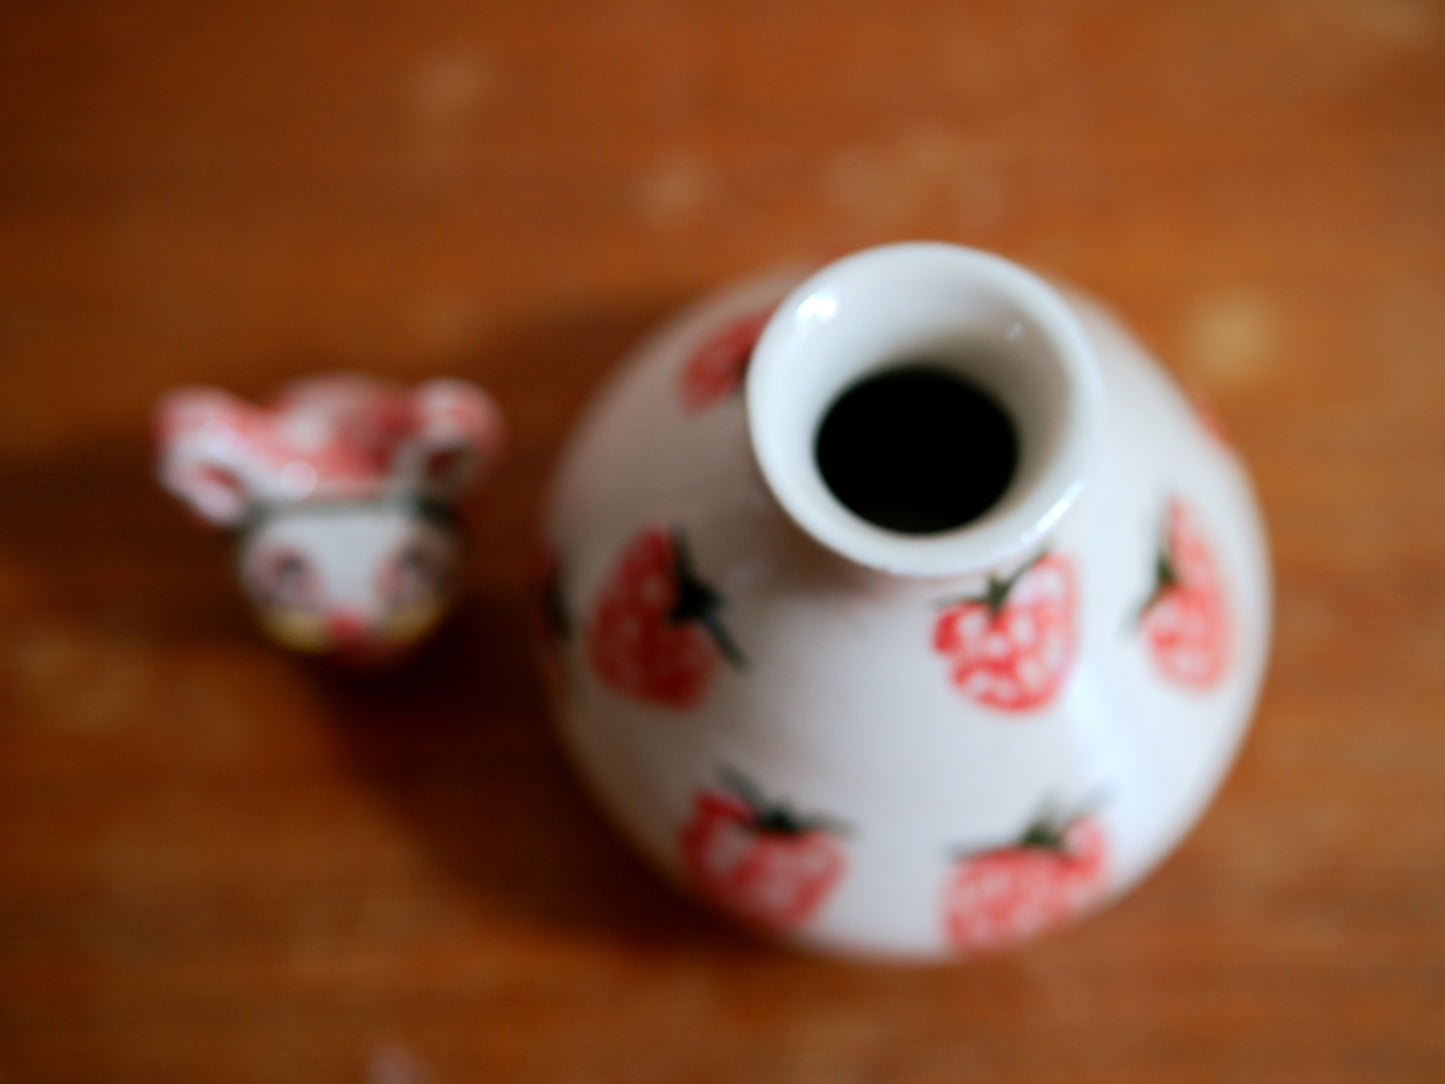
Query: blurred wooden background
[(217, 864)]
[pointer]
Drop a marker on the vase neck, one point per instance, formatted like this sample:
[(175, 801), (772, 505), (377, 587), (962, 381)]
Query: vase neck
[(902, 315)]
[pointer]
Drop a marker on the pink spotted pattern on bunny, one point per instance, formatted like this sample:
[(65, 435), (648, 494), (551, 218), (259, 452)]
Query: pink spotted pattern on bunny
[(342, 492)]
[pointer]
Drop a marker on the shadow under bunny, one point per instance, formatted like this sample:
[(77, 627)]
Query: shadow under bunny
[(459, 742), (460, 746)]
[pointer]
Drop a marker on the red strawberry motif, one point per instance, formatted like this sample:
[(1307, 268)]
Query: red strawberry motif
[(758, 859), (1185, 619), (999, 897), (655, 633), (1013, 646), (716, 369)]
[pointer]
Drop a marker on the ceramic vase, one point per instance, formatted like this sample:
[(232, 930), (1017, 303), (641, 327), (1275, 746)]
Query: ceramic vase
[(866, 735)]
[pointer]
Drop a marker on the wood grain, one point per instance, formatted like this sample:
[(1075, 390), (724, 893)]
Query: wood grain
[(218, 864)]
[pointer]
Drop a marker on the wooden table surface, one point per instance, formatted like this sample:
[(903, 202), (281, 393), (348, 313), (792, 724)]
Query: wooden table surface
[(219, 864)]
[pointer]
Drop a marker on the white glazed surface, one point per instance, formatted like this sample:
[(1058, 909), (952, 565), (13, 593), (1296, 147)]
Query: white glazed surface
[(368, 579), (843, 707)]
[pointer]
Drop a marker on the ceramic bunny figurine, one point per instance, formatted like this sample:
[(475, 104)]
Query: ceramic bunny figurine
[(907, 610), (343, 494)]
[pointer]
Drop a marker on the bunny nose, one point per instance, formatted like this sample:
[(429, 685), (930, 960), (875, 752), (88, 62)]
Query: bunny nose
[(346, 628)]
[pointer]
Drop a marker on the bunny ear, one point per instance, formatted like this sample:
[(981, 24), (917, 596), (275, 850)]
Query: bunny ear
[(200, 434), (457, 441)]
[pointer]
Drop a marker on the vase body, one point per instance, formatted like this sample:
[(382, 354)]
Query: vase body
[(889, 744)]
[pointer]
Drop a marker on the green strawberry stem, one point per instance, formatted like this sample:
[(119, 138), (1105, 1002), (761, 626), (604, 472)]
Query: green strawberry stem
[(996, 593), (1048, 830), (697, 601), (1166, 575), (740, 785), (1044, 835), (776, 817), (724, 640)]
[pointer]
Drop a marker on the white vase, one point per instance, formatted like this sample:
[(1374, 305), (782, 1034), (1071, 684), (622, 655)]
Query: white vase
[(900, 741)]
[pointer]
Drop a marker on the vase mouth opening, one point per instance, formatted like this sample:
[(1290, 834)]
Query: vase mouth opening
[(925, 409)]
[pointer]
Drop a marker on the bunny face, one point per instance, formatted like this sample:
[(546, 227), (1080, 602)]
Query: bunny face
[(341, 493), (361, 581)]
